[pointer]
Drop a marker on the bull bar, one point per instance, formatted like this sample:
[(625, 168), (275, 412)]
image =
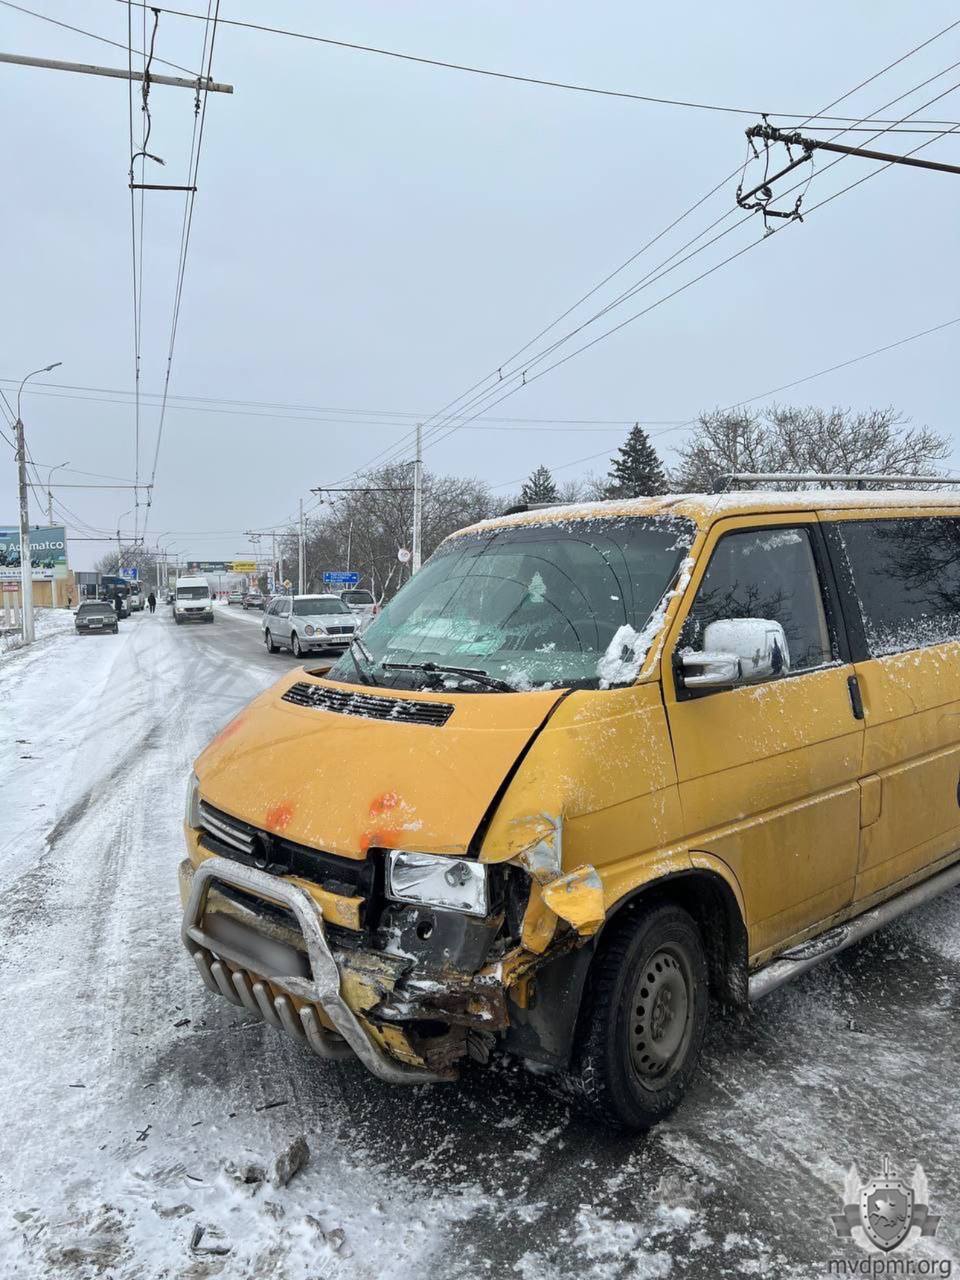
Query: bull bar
[(322, 988)]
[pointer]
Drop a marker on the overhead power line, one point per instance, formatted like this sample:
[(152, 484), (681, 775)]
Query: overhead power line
[(475, 396), (308, 413), (763, 395), (443, 429), (193, 168), (522, 79)]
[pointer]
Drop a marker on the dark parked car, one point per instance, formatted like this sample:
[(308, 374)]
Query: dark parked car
[(96, 615), (253, 600)]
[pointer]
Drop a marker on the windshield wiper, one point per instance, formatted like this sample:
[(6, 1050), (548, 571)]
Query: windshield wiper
[(365, 676), (435, 669)]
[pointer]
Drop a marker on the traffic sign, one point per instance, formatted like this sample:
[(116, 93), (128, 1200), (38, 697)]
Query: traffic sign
[(340, 578), (403, 555), (132, 574), (243, 566)]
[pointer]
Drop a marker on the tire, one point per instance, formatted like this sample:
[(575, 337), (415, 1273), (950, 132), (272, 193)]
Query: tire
[(268, 641), (116, 631), (633, 1059), (176, 619), (295, 648)]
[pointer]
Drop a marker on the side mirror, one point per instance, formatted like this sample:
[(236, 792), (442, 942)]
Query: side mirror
[(737, 651)]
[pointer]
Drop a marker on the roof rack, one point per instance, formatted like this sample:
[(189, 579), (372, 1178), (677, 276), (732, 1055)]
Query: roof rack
[(529, 506), (856, 480)]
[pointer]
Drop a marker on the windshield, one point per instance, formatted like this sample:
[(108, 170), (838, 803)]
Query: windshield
[(311, 608), (557, 604), (193, 593), (357, 597), (96, 606)]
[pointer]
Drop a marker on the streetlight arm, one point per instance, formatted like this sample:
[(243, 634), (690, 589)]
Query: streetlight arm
[(46, 369)]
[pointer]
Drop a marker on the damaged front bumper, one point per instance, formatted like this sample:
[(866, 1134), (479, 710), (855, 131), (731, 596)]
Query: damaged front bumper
[(247, 969)]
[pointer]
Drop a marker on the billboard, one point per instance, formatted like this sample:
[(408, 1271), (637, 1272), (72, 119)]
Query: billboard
[(48, 552)]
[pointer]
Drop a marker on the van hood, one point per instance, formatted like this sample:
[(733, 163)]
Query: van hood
[(348, 782)]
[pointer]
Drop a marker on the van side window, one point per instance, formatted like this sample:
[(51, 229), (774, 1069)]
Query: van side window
[(770, 574), (906, 573)]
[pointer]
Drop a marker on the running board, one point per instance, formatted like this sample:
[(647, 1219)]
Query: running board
[(803, 957)]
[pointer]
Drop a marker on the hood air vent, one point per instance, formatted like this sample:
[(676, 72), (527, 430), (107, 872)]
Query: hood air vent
[(344, 703)]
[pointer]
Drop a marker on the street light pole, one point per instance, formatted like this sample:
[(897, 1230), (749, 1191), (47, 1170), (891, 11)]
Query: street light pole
[(26, 566), (58, 467)]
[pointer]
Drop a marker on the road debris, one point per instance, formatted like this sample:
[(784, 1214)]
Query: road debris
[(290, 1162)]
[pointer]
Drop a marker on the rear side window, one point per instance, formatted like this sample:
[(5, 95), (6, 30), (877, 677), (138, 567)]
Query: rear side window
[(906, 574), (770, 574)]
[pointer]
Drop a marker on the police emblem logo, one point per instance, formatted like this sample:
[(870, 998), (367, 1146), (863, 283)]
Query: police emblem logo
[(881, 1213)]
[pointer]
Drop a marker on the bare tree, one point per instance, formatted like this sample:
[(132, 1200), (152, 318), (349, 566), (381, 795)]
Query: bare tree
[(132, 558), (364, 530), (804, 439)]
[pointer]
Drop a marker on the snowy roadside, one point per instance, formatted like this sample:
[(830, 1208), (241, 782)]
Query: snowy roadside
[(47, 624)]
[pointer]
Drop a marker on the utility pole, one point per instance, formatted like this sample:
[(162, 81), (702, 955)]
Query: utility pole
[(417, 501), (302, 576), (26, 566)]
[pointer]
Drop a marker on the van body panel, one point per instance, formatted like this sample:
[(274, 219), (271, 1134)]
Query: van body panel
[(913, 746), (768, 777), (912, 717), (619, 811), (346, 783)]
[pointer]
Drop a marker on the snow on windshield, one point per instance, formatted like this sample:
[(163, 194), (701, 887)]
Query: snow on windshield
[(536, 604)]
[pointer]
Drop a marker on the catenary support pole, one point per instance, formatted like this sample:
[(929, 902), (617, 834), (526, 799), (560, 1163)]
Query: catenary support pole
[(302, 576), (417, 502), (116, 73)]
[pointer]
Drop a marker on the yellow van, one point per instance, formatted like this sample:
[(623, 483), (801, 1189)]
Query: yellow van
[(591, 767)]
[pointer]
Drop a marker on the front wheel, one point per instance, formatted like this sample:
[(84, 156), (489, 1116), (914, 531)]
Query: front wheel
[(295, 646), (644, 1019), (268, 641)]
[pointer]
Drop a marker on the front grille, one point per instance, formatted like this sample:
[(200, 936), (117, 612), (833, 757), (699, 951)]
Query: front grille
[(374, 707), (339, 631), (231, 838)]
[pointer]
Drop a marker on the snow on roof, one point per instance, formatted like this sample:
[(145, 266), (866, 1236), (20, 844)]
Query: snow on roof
[(703, 508)]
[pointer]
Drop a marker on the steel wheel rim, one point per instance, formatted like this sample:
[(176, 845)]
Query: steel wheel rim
[(661, 1017)]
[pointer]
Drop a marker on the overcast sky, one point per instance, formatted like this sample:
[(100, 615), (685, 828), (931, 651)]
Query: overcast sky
[(376, 235)]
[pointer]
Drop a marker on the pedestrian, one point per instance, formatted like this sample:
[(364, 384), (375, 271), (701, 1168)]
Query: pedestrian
[(118, 606), (152, 602)]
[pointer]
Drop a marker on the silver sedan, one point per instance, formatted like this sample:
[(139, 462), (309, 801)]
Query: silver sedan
[(305, 624)]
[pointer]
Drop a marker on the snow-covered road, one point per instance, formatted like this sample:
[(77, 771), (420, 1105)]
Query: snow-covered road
[(129, 1096)]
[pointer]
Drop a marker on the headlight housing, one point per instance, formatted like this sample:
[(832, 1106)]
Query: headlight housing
[(459, 884), (308, 630), (191, 813)]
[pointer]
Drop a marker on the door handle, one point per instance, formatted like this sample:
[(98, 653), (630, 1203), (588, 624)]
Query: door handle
[(856, 699)]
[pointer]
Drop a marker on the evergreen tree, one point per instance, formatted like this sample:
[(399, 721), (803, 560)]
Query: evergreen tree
[(540, 487), (636, 471)]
